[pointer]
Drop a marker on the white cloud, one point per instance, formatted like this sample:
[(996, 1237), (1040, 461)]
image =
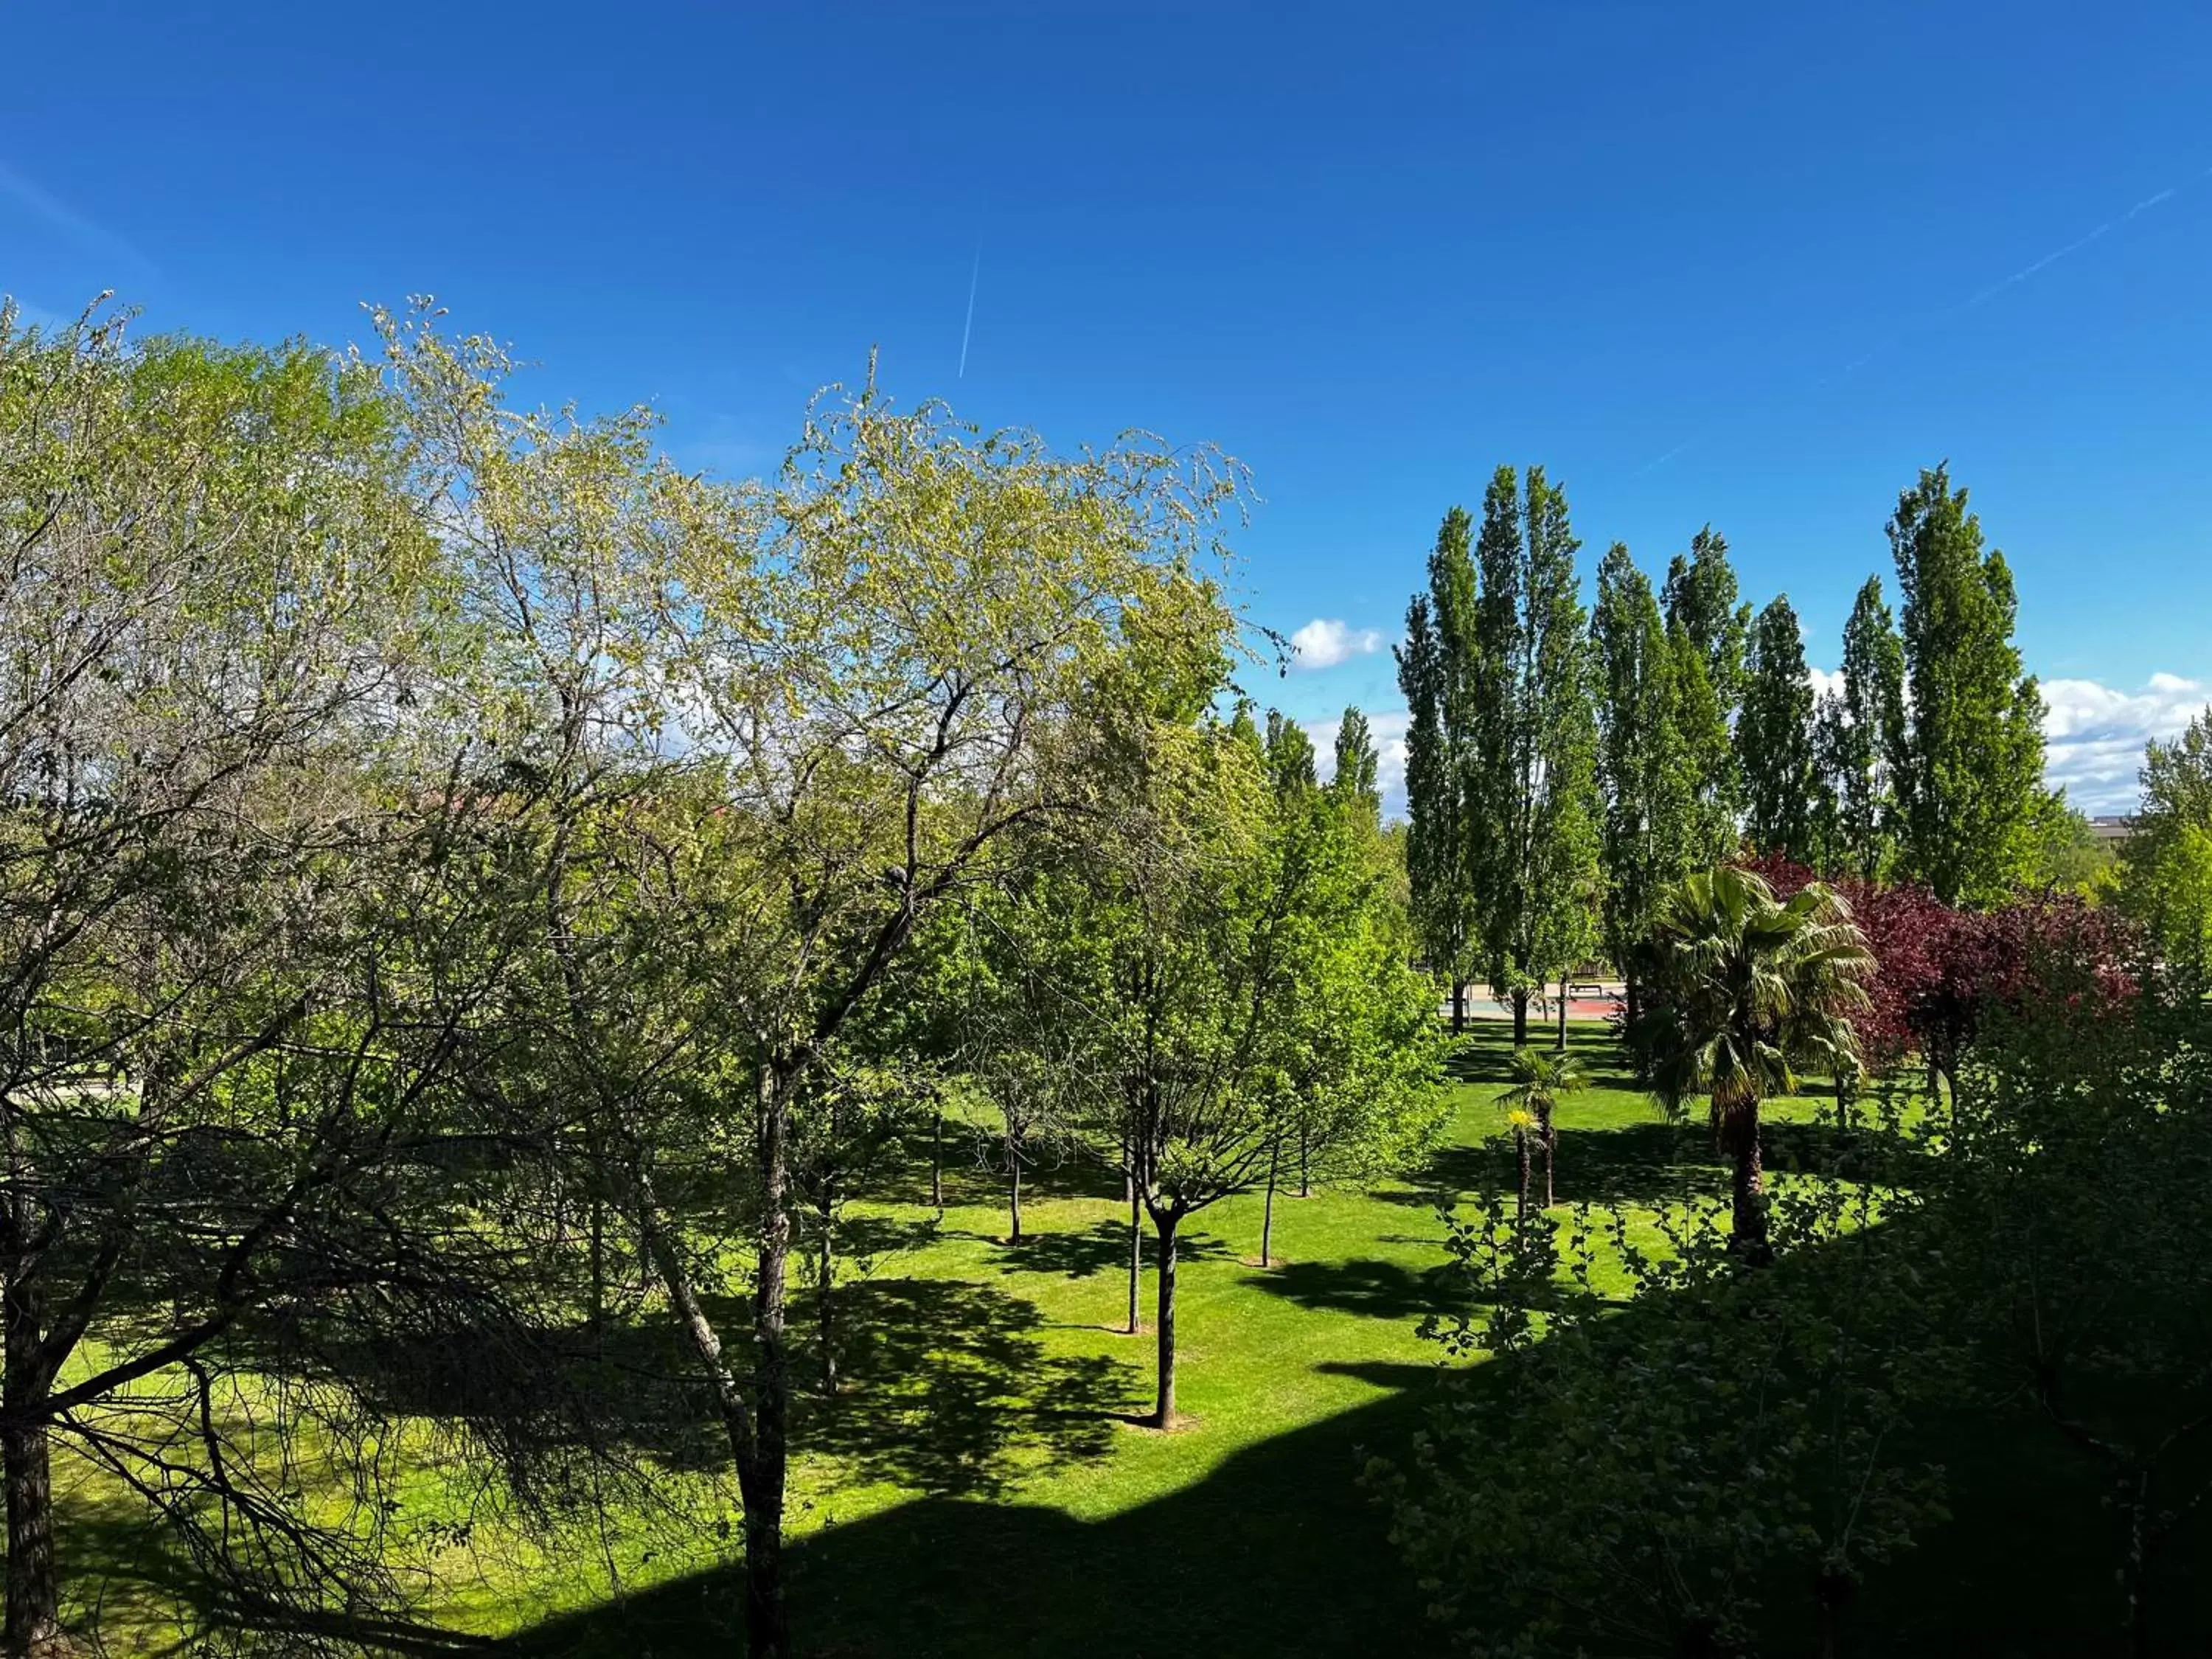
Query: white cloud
[(1826, 681), (1387, 726), (1324, 643), (2093, 735)]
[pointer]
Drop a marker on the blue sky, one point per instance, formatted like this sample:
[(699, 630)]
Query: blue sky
[(1746, 263)]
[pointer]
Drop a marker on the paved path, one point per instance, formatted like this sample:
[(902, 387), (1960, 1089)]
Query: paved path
[(1482, 1005)]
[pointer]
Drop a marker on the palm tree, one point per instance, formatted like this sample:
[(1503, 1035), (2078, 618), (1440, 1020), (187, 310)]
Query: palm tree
[(1745, 989), (1539, 1080)]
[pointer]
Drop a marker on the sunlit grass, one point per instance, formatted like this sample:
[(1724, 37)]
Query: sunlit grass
[(1000, 1372)]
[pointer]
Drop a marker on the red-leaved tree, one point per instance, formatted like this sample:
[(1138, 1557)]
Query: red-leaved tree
[(1941, 970)]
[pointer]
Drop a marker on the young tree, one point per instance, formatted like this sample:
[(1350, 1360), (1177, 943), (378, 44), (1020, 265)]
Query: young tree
[(1746, 988), (1435, 671), (1645, 773), (1533, 812), (1774, 736), (1709, 632), (1970, 782), (1240, 998)]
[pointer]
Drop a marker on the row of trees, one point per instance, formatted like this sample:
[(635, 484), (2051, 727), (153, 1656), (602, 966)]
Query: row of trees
[(471, 892), (1566, 769)]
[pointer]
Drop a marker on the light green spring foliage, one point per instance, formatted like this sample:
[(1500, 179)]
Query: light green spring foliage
[(1645, 769), (1232, 979), (1970, 782), (1774, 738), (2165, 871), (1534, 813), (226, 906)]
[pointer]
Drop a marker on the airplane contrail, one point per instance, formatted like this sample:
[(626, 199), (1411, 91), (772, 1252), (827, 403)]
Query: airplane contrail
[(2079, 243), (969, 327)]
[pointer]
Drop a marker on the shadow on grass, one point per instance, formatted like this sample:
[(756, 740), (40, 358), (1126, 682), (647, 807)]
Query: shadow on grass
[(1366, 1286), (1102, 1248), (132, 1588), (1652, 1163), (948, 1390), (1277, 1551)]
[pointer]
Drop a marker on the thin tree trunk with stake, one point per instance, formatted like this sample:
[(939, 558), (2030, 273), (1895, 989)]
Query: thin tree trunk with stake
[(1136, 1251), (1267, 1208)]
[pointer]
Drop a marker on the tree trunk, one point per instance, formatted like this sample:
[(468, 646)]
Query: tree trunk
[(1164, 1410), (1549, 1138), (1013, 1191), (1136, 1252), (768, 1620), (34, 1625), (1630, 1002), (1305, 1166), (1521, 1205), (1747, 1236), (598, 1311), (937, 1155), (1267, 1209), (1459, 1007), (1520, 1017), (827, 1217), (1563, 1014)]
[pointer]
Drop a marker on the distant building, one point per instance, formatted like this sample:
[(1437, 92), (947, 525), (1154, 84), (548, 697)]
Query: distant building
[(2114, 830)]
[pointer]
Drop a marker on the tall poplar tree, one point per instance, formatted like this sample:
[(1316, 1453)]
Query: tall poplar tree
[(1534, 807), (1970, 786), (1358, 768), (1645, 781), (1290, 755), (1709, 631), (1774, 736), (1867, 738), (1435, 673)]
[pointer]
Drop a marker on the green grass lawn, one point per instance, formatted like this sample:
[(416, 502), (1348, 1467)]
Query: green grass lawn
[(984, 1499), (977, 1490)]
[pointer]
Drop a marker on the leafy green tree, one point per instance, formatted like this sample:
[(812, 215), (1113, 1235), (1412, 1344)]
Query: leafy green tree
[(1644, 773), (1290, 753), (916, 642), (1867, 738), (1533, 810), (1240, 993), (2166, 868), (1709, 631), (1649, 1479), (1435, 671), (1746, 990), (2073, 1197), (2069, 857), (225, 987), (1970, 783), (1774, 738), (1358, 768)]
